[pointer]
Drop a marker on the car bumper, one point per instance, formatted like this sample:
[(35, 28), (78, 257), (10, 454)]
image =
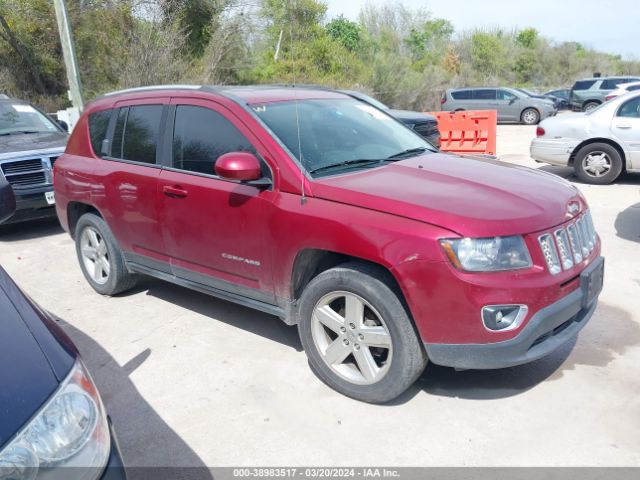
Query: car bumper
[(555, 152), (547, 330), (31, 205), (115, 467)]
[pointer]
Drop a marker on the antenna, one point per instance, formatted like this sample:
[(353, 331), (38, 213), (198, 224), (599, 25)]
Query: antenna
[(293, 3)]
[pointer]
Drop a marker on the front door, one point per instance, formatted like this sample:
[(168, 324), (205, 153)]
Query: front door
[(626, 127), (216, 231)]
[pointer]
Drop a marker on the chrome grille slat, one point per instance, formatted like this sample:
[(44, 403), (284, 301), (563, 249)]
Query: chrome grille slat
[(569, 245), (28, 172)]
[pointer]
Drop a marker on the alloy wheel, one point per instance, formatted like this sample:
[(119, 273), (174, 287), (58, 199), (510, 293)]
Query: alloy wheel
[(596, 164), (530, 117), (95, 255), (351, 337)]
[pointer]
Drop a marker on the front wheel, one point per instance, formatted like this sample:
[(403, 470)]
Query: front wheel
[(598, 163), (530, 116), (357, 334)]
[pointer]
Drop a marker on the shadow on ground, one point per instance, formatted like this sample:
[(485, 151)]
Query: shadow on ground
[(626, 178), (15, 232), (628, 223), (145, 438), (252, 321)]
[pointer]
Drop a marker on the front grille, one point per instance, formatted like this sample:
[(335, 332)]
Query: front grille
[(29, 172), (21, 166), (568, 245)]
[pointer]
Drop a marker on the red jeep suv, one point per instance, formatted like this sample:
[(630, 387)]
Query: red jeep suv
[(328, 213)]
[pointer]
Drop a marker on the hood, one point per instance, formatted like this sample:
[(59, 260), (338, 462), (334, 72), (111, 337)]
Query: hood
[(32, 141), (26, 375), (472, 197), (408, 116)]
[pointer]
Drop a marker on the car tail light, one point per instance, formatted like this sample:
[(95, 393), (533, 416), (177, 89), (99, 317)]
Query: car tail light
[(443, 100), (540, 132), (609, 97)]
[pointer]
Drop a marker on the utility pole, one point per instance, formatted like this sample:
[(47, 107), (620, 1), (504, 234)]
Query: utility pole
[(69, 54)]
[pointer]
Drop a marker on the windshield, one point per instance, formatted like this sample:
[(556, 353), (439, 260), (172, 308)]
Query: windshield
[(528, 92), (23, 118), (341, 133)]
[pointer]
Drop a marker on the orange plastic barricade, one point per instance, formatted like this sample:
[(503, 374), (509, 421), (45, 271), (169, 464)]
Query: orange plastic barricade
[(469, 131)]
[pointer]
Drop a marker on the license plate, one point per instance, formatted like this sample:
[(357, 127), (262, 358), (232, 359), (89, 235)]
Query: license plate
[(591, 281), (50, 198)]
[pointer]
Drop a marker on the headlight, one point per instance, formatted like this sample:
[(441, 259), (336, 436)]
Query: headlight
[(487, 254), (71, 430)]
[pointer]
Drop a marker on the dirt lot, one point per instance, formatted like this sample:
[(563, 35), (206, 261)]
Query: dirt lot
[(191, 380)]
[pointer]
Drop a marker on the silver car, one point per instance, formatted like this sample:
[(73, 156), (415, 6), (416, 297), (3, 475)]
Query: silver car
[(511, 105), (599, 144)]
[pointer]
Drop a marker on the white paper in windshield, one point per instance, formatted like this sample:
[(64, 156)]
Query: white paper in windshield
[(374, 112), (24, 108)]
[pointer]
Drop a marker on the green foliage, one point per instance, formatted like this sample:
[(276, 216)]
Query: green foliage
[(346, 32), (527, 38), (403, 56)]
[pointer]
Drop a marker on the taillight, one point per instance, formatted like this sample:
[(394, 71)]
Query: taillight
[(443, 100), (540, 132), (609, 97)]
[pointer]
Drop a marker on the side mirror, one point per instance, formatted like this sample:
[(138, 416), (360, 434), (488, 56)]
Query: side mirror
[(242, 166), (64, 125), (7, 200)]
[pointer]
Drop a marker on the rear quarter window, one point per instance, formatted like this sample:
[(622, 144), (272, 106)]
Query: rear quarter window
[(461, 95), (583, 84), (98, 125), (611, 83)]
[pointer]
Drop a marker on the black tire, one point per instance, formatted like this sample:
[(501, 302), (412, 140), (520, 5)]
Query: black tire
[(408, 358), (530, 116), (590, 106), (118, 279), (611, 156)]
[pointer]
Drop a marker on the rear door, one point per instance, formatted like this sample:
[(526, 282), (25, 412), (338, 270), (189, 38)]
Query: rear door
[(216, 231), (626, 127), (129, 171)]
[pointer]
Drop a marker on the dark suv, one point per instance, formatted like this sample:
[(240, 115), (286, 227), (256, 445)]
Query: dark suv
[(325, 211), (30, 143)]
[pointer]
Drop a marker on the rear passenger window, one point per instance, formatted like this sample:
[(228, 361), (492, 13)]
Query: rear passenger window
[(611, 83), (583, 84), (98, 124), (136, 133), (461, 95), (200, 136), (633, 88), (484, 94)]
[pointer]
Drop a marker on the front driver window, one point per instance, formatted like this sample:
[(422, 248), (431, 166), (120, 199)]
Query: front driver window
[(201, 136), (630, 109), (504, 95)]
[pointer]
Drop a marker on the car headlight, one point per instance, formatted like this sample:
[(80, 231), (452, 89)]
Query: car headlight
[(487, 254), (70, 430)]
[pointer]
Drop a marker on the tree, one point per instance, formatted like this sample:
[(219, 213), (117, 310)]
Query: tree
[(527, 38), (346, 32)]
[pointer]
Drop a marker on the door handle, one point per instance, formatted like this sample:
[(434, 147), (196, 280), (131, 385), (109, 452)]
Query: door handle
[(624, 127), (174, 192)]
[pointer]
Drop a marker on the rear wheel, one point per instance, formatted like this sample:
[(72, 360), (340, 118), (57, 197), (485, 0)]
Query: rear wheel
[(357, 334), (598, 163), (530, 116), (100, 257)]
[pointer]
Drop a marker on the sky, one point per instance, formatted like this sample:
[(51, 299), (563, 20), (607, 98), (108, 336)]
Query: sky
[(605, 26)]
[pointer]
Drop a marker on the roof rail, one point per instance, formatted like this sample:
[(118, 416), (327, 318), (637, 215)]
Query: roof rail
[(152, 88)]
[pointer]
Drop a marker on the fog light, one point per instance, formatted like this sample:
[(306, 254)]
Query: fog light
[(503, 317)]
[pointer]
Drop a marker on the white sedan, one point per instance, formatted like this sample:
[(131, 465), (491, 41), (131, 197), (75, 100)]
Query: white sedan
[(599, 144)]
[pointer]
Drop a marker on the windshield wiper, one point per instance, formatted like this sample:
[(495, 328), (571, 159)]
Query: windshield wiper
[(348, 163), (410, 152)]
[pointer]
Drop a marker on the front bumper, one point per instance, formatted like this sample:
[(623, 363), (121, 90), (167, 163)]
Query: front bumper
[(31, 205), (555, 152), (547, 330)]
